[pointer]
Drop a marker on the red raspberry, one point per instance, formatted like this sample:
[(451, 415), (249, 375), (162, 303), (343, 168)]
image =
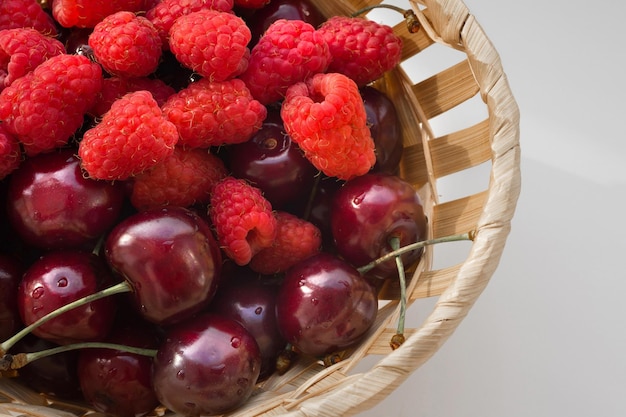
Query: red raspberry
[(288, 52), (165, 12), (184, 179), (243, 219), (44, 108), (116, 87), (23, 49), (296, 240), (131, 137), (214, 113), (10, 153), (88, 13), (126, 45), (211, 43), (361, 49), (26, 14), (326, 117)]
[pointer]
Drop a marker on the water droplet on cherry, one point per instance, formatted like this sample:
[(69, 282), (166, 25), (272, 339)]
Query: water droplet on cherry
[(235, 342), (62, 282), (258, 311), (37, 293)]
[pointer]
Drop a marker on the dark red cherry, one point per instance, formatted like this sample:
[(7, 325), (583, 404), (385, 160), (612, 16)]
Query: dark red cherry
[(324, 305), (385, 127), (252, 302), (116, 382), (171, 260), (54, 375), (10, 275), (58, 278), (283, 9), (368, 211), (52, 205), (207, 365), (275, 164)]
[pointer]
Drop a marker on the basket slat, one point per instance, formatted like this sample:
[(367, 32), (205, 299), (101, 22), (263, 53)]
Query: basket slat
[(446, 90), (458, 216), (461, 150)]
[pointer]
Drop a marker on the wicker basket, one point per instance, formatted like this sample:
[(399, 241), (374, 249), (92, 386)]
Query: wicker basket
[(310, 388)]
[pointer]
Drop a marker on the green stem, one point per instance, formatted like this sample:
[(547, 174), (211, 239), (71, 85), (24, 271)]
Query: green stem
[(122, 287), (414, 246), (23, 359), (395, 245)]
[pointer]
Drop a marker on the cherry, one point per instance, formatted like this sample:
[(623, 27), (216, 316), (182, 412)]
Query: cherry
[(370, 210), (262, 18), (55, 375), (384, 124), (118, 382), (58, 278), (207, 365), (52, 205), (10, 275), (171, 260), (272, 162), (251, 301), (324, 305)]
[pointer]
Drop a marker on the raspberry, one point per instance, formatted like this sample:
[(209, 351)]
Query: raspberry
[(326, 117), (44, 108), (165, 12), (10, 153), (126, 45), (214, 113), (361, 49), (26, 14), (288, 52), (116, 87), (23, 49), (88, 13), (296, 240), (211, 43), (243, 219), (131, 137), (185, 178)]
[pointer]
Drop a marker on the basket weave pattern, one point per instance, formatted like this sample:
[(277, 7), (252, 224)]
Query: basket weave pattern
[(310, 389)]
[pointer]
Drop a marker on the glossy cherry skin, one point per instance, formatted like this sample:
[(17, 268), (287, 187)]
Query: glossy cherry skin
[(170, 258), (367, 211), (207, 365), (275, 164), (11, 271), (60, 277), (55, 375), (117, 382), (324, 305), (52, 205), (252, 302), (385, 128), (262, 18)]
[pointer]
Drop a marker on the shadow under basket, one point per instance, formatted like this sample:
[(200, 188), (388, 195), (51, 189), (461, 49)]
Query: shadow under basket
[(460, 122)]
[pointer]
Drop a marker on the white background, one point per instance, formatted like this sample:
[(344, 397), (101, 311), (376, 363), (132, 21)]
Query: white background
[(548, 335)]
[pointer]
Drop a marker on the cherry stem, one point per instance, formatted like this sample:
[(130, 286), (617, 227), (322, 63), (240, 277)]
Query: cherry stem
[(413, 246), (312, 195), (20, 360), (409, 15), (394, 242), (122, 287)]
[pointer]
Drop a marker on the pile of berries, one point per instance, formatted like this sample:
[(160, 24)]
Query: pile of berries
[(214, 170)]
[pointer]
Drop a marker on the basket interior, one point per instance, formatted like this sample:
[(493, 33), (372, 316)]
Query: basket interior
[(448, 132)]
